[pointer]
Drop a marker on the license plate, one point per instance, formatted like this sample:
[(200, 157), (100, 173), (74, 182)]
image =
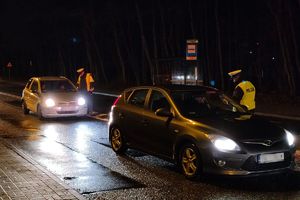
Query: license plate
[(68, 108), (270, 158)]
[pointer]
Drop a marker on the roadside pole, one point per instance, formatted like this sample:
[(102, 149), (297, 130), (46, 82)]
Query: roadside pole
[(9, 66)]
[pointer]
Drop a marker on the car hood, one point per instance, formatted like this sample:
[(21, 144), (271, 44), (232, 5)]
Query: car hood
[(62, 96), (243, 127)]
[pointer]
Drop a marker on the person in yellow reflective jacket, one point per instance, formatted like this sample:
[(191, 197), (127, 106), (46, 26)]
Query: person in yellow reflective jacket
[(84, 84), (244, 91)]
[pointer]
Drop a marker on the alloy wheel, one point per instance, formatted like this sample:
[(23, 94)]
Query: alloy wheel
[(190, 161), (117, 141)]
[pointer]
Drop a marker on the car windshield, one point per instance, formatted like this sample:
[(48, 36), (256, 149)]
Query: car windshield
[(195, 104), (57, 86)]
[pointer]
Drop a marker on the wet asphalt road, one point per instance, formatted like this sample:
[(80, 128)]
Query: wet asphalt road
[(77, 151)]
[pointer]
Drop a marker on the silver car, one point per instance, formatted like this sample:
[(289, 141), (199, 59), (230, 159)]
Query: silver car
[(53, 97)]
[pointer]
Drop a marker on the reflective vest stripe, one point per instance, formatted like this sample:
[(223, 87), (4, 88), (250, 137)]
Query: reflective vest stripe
[(89, 79), (248, 98)]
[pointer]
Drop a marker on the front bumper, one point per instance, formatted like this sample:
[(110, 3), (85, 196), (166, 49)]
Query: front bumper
[(64, 111), (246, 164)]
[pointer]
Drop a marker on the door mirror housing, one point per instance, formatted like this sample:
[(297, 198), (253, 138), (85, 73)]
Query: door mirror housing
[(163, 112)]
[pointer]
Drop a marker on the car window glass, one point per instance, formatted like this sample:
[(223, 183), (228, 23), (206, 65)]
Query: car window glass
[(57, 86), (138, 97), (34, 86), (127, 94), (158, 100), (191, 104), (28, 83), (202, 103)]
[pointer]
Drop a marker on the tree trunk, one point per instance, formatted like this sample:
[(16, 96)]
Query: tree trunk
[(293, 37), (207, 58), (119, 54), (219, 48), (132, 56), (164, 32), (191, 19), (144, 43), (283, 48), (156, 72), (88, 48)]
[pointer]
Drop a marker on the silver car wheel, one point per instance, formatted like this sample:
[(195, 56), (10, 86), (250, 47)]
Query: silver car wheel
[(117, 142)]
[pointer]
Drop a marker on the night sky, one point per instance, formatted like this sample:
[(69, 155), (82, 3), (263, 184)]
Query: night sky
[(129, 41)]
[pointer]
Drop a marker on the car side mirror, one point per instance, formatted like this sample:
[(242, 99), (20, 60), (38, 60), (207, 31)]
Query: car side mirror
[(163, 112)]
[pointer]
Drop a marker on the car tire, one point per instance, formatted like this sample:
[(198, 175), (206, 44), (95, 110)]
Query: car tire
[(190, 161), (117, 141), (39, 113), (25, 109)]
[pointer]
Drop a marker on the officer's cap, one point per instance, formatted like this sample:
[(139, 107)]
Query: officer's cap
[(233, 73), (80, 70)]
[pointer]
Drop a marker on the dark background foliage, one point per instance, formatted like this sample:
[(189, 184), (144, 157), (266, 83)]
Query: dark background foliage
[(132, 42)]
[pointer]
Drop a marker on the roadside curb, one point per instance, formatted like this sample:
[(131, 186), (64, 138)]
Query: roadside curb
[(37, 165)]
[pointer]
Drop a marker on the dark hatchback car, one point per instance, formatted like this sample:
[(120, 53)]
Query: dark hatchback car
[(200, 129)]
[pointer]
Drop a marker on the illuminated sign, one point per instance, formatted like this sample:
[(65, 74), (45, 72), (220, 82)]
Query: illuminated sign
[(191, 49)]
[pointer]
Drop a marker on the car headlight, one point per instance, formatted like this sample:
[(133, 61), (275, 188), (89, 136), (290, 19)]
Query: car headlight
[(81, 101), (223, 143), (50, 103), (290, 138)]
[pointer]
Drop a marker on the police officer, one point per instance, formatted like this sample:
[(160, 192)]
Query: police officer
[(244, 91), (84, 84)]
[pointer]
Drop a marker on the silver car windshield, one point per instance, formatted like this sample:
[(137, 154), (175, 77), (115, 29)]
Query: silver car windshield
[(204, 103), (57, 86)]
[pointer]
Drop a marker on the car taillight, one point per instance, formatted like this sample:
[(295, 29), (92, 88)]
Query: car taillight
[(116, 101)]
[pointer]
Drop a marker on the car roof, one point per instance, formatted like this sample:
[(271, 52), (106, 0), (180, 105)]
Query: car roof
[(176, 88), (50, 78)]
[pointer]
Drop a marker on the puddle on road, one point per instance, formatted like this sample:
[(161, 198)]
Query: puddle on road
[(79, 172)]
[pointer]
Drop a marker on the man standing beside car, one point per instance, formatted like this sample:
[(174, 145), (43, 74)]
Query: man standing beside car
[(244, 91), (84, 84)]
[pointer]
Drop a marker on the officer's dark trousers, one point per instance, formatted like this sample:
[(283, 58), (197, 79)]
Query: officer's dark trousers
[(89, 99)]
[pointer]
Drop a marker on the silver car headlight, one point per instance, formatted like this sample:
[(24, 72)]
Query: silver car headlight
[(49, 102), (224, 144), (289, 137), (81, 101)]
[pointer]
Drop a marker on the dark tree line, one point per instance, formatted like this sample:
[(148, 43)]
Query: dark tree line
[(132, 42)]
